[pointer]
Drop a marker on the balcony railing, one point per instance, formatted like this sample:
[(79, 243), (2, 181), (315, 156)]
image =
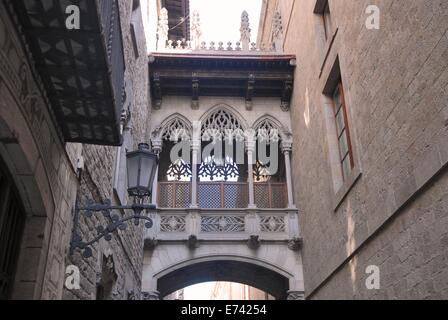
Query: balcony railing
[(222, 195), (271, 195), (223, 224)]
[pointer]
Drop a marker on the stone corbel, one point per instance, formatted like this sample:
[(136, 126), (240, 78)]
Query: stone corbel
[(286, 95), (295, 244), (193, 242), (195, 92), (250, 92), (157, 92), (254, 242), (151, 243)]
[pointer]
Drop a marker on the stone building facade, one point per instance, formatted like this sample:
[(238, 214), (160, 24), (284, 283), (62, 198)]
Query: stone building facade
[(49, 176), (359, 96), (387, 211)]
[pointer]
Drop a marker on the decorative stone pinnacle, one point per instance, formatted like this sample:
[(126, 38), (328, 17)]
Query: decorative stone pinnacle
[(277, 32), (245, 30), (163, 28), (196, 31)]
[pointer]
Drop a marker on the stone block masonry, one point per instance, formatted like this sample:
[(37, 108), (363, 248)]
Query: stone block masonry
[(393, 213)]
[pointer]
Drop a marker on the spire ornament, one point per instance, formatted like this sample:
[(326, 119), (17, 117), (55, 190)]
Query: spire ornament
[(245, 31), (196, 31), (162, 30), (277, 32)]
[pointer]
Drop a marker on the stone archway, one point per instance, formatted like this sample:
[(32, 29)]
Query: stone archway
[(254, 275), (169, 266)]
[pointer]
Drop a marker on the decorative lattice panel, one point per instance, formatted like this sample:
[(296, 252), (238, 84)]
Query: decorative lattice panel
[(209, 195), (222, 224), (236, 195), (272, 224), (270, 195), (261, 193), (166, 195), (279, 198), (172, 224), (174, 195), (183, 197)]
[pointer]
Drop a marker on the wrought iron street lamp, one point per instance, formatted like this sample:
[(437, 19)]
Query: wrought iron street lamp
[(141, 169)]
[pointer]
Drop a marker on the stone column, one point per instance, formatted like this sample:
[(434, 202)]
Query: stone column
[(286, 149), (196, 148), (250, 149)]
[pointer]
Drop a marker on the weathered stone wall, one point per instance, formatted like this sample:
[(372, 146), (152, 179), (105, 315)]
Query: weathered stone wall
[(392, 211), (126, 248), (45, 172)]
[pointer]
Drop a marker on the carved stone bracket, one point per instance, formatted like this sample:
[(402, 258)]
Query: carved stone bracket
[(286, 95), (295, 244), (250, 92), (151, 243), (254, 242), (195, 92), (193, 242), (157, 93)]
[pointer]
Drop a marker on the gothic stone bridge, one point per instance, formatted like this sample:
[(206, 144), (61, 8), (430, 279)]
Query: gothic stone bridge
[(222, 220)]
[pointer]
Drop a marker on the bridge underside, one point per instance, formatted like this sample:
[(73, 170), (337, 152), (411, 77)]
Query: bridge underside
[(169, 266), (229, 271)]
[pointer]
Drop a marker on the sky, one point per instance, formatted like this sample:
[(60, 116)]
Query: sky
[(202, 291), (220, 20)]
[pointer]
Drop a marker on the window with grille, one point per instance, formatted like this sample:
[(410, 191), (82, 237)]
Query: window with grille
[(12, 219)]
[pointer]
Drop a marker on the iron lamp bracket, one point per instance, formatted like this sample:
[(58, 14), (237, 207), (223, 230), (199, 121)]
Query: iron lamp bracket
[(118, 222)]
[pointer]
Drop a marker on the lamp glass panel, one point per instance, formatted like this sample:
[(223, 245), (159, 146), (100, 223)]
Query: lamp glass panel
[(132, 167)]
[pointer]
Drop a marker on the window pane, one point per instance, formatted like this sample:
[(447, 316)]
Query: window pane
[(337, 99), (340, 121), (343, 145), (346, 167)]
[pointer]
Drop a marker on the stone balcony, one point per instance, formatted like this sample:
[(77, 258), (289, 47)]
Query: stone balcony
[(278, 225), (223, 214)]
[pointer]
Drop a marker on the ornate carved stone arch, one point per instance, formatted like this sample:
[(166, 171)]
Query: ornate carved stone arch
[(222, 107), (267, 121), (174, 128)]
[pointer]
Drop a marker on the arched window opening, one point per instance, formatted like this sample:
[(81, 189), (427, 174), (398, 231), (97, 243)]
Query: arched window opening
[(269, 165)]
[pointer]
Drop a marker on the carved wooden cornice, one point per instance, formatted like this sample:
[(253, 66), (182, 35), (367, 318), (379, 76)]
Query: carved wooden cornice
[(245, 76)]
